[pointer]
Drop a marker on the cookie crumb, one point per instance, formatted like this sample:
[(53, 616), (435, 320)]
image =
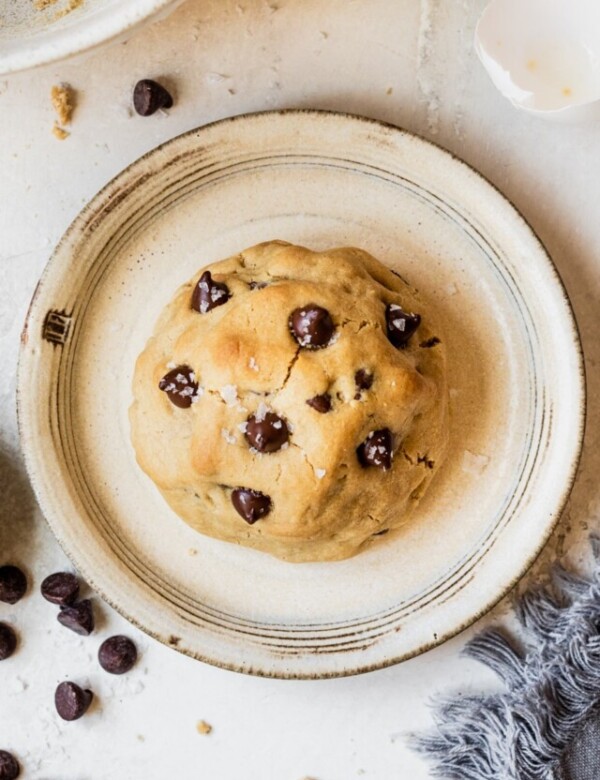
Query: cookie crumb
[(192, 551), (59, 133), (202, 727), (41, 5), (63, 101)]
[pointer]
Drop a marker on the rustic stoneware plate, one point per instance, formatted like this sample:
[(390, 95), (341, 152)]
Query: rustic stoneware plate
[(515, 372)]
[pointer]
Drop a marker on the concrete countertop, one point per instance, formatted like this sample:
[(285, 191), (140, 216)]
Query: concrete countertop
[(403, 61)]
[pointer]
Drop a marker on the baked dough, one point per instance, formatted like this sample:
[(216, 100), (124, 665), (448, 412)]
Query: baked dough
[(293, 401)]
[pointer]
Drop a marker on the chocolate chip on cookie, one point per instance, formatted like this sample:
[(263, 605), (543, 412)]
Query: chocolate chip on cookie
[(311, 326), (400, 325), (9, 766), (71, 701), (363, 380), (377, 450), (320, 403), (209, 294), (250, 504), (180, 385), (13, 584), (61, 588), (266, 431), (8, 641)]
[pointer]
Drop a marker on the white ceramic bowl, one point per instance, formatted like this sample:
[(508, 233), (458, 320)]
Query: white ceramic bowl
[(30, 37), (544, 55)]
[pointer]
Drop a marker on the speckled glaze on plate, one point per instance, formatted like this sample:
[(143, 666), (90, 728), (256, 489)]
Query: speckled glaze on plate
[(515, 373)]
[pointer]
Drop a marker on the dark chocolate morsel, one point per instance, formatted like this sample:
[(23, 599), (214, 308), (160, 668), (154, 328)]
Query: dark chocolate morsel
[(149, 96), (311, 326), (181, 386), (71, 701), (9, 766), (320, 403), (13, 584), (117, 654), (209, 294), (8, 641), (266, 432), (428, 343), (79, 617), (400, 325), (363, 380), (377, 450), (250, 504), (61, 588)]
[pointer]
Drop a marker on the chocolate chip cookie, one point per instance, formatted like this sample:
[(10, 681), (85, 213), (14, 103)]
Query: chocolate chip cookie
[(293, 401)]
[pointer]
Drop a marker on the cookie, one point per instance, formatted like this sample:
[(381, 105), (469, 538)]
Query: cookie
[(293, 401)]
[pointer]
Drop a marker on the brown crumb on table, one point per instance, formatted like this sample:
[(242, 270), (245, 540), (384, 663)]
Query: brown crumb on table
[(202, 727), (59, 133), (62, 100), (41, 5)]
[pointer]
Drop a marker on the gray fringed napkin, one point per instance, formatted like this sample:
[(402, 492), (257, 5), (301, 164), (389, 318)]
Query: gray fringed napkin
[(546, 726)]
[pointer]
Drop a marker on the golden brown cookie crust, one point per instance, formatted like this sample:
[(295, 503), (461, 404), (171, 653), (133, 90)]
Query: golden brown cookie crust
[(325, 504)]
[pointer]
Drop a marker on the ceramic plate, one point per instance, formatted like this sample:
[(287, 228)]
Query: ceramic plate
[(515, 375)]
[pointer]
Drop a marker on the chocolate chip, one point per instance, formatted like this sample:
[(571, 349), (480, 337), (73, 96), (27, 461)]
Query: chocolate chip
[(320, 403), (78, 617), (181, 386), (149, 96), (400, 325), (377, 450), (363, 380), (311, 326), (71, 701), (117, 654), (61, 588), (209, 294), (13, 584), (8, 641), (9, 766), (250, 504), (266, 432), (257, 285), (432, 342)]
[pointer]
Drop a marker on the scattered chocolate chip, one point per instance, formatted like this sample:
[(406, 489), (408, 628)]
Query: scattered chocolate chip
[(320, 403), (430, 342), (311, 326), (181, 386), (71, 701), (250, 504), (13, 584), (209, 294), (363, 380), (117, 654), (400, 325), (61, 588), (9, 766), (8, 641), (266, 432), (377, 450), (78, 617), (258, 285), (149, 96)]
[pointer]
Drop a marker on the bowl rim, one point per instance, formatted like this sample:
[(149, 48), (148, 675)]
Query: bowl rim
[(579, 384), (81, 36)]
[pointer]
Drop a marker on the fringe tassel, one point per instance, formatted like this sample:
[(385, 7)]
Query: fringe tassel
[(552, 689)]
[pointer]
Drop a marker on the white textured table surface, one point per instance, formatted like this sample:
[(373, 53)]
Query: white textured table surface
[(403, 61)]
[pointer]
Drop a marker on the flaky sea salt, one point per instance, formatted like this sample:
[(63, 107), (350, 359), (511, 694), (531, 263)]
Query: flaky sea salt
[(261, 412), (228, 436), (229, 394), (320, 473), (253, 365), (171, 364), (243, 427)]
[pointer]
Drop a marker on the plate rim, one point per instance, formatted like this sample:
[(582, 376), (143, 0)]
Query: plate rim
[(580, 385)]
